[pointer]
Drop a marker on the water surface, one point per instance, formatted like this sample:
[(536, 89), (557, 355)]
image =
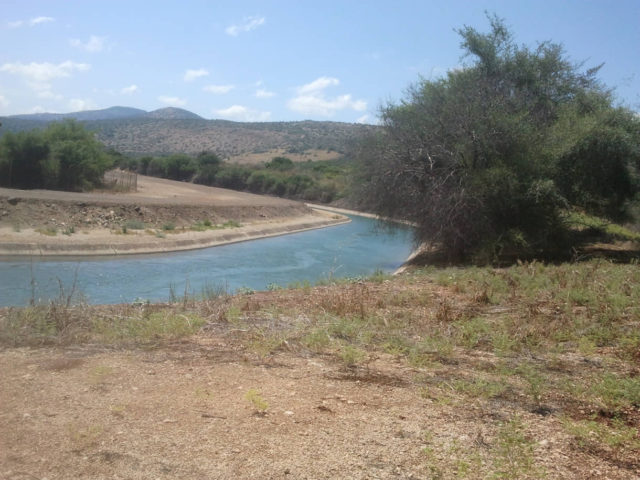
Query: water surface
[(353, 249)]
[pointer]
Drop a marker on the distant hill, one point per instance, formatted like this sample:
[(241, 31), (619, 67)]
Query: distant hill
[(106, 114), (173, 113), (171, 130)]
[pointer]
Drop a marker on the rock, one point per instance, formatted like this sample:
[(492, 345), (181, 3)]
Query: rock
[(13, 200)]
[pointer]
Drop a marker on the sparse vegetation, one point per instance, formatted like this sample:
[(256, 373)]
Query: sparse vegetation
[(258, 403), (517, 363)]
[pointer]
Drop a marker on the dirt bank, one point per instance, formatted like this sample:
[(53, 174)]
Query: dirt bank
[(162, 216)]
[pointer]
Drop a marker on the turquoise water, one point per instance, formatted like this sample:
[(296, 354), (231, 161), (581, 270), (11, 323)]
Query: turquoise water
[(353, 249)]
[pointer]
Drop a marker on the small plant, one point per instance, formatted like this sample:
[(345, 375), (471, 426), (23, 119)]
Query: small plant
[(69, 230), (514, 451), (534, 383), (133, 225), (231, 224), (245, 291), (99, 375), (206, 223), (49, 231), (352, 356), (259, 404), (169, 226), (83, 437)]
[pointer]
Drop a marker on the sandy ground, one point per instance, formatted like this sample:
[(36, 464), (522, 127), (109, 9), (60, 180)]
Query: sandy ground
[(155, 191), (41, 222), (183, 413), (31, 242)]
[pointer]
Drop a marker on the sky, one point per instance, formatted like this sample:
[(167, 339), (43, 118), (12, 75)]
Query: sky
[(280, 60)]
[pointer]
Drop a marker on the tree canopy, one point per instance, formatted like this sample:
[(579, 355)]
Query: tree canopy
[(65, 156), (493, 155)]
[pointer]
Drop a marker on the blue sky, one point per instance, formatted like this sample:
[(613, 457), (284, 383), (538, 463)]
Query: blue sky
[(279, 60)]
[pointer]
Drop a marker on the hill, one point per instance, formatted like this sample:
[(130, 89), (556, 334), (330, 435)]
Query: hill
[(173, 130)]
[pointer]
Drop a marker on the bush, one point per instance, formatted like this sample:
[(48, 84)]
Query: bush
[(486, 160)]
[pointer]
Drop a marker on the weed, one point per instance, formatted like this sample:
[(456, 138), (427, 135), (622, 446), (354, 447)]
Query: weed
[(169, 226), (69, 230), (231, 224), (259, 404), (618, 393), (474, 333), (514, 451), (155, 327), (132, 225), (479, 388), (245, 291), (265, 343), (590, 434), (352, 356), (534, 382), (317, 340), (83, 437), (49, 231), (99, 375)]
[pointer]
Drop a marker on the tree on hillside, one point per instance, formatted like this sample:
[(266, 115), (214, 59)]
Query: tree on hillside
[(65, 156), (23, 162), (78, 159), (490, 156), (208, 165)]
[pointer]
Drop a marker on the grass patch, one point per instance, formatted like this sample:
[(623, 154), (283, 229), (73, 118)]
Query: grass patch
[(132, 225), (49, 231), (155, 327)]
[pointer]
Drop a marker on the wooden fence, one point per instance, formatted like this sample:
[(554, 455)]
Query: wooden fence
[(121, 180)]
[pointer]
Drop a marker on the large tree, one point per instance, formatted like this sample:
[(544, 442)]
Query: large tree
[(64, 156), (491, 155)]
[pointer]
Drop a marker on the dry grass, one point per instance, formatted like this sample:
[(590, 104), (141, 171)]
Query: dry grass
[(557, 344)]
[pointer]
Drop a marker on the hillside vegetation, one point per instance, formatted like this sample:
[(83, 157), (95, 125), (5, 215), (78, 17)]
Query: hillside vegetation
[(176, 131), (490, 159), (519, 373)]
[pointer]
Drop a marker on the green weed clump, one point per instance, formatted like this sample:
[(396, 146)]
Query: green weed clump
[(156, 327), (259, 404)]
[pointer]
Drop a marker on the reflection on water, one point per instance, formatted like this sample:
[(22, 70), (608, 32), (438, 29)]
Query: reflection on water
[(356, 248)]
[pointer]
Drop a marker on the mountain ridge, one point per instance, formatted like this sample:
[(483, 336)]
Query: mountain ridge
[(171, 130)]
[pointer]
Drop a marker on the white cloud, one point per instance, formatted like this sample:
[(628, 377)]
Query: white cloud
[(44, 72), (263, 93), (38, 109), (93, 45), (248, 24), (39, 20), (43, 90), (218, 89), (191, 75), (311, 99), (39, 75), (243, 114), (172, 101), (129, 90), (31, 23), (318, 85), (363, 119), (79, 104), (3, 101)]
